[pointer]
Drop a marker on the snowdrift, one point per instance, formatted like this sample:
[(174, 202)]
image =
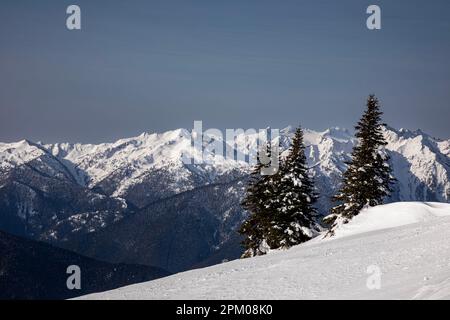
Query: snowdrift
[(403, 247), (391, 216)]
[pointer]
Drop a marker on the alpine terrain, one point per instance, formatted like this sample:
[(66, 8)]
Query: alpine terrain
[(136, 201)]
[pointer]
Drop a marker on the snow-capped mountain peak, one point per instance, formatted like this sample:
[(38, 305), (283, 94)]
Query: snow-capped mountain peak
[(420, 162)]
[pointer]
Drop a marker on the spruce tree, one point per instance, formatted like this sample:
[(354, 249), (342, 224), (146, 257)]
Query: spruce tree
[(295, 218), (367, 180)]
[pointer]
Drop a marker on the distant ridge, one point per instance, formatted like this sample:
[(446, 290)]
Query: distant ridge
[(33, 270)]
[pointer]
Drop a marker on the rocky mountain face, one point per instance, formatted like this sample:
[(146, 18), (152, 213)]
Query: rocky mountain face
[(136, 201)]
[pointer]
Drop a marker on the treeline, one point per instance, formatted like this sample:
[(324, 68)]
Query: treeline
[(281, 205)]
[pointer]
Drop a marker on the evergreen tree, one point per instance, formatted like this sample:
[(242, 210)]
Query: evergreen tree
[(258, 202), (280, 205), (295, 218), (367, 181)]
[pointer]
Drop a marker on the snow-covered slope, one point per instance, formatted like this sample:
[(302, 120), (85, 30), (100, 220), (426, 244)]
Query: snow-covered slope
[(403, 247), (391, 216)]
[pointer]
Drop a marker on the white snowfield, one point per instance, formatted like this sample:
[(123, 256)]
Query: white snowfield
[(394, 251)]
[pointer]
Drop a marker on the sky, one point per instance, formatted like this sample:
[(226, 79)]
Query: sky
[(142, 65)]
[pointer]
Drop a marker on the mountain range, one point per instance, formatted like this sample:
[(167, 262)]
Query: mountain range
[(136, 201)]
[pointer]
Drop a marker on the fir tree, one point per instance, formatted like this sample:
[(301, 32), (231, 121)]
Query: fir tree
[(280, 205), (258, 202), (367, 181), (295, 218)]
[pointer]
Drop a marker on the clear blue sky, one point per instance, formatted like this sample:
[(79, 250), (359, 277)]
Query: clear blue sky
[(157, 65)]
